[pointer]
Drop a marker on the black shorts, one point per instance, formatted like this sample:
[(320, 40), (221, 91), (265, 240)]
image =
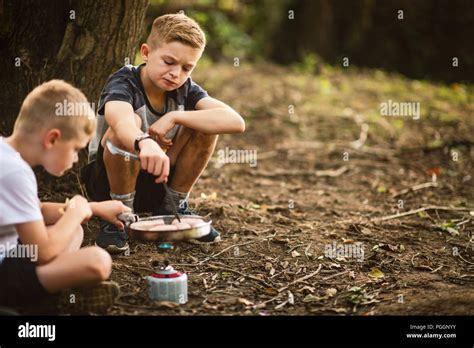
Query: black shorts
[(19, 283), (148, 196)]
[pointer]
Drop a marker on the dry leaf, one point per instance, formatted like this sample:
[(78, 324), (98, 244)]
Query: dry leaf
[(167, 304), (270, 291), (291, 298), (331, 292), (245, 301), (294, 253), (376, 273), (313, 298)]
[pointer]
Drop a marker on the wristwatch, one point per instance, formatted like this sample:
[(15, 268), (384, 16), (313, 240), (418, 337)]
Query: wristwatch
[(140, 138)]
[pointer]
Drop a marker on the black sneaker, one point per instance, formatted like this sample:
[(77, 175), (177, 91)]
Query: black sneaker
[(111, 238), (183, 209)]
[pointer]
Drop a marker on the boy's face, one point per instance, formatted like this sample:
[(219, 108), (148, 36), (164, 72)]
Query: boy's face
[(170, 64), (61, 154)]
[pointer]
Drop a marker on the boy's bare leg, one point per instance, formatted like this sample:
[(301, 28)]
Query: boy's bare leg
[(190, 154), (122, 174), (85, 266), (76, 241)]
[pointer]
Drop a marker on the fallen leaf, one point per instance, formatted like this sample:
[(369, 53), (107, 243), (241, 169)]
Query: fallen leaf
[(452, 231), (331, 292), (422, 214), (245, 301), (167, 304), (211, 197), (376, 273), (270, 291), (294, 253), (291, 298), (313, 298)]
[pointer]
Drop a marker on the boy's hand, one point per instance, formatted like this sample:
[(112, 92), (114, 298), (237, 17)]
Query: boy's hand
[(80, 207), (159, 129), (109, 211), (154, 160)]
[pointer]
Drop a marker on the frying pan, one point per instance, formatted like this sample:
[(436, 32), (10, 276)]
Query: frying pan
[(165, 236)]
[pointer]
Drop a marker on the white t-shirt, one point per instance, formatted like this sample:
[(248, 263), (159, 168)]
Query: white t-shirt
[(19, 201)]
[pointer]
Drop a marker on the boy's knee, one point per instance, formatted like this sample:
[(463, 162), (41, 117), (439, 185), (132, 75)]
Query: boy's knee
[(80, 232), (202, 139), (100, 263)]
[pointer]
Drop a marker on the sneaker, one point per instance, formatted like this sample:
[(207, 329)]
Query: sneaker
[(183, 209), (111, 238), (97, 298)]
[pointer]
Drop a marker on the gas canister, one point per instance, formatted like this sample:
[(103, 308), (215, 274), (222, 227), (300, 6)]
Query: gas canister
[(168, 284)]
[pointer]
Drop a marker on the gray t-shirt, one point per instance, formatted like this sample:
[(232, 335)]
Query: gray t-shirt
[(19, 201), (125, 85)]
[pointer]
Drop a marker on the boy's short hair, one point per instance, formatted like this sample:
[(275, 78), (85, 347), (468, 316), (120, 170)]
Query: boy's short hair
[(56, 104), (176, 27)]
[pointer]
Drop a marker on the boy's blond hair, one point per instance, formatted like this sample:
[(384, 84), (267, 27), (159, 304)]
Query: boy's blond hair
[(176, 27), (56, 104)]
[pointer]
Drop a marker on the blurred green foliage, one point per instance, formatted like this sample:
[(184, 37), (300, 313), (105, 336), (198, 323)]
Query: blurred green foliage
[(234, 28), (421, 45)]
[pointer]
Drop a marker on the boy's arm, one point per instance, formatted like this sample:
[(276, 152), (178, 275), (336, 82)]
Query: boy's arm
[(210, 117), (52, 212), (120, 116), (55, 239), (107, 210)]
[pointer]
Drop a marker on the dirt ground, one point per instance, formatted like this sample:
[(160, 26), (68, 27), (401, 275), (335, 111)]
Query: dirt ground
[(323, 180)]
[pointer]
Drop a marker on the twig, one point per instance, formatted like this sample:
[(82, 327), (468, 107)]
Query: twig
[(262, 304), (412, 258), (301, 279), (416, 188), (222, 251), (364, 131), (335, 275), (419, 210), (437, 269), (281, 305), (80, 186), (240, 273), (462, 258), (318, 173)]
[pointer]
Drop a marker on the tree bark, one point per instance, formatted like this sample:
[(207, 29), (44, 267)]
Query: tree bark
[(81, 42)]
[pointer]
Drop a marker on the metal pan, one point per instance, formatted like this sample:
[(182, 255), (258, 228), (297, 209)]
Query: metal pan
[(166, 236)]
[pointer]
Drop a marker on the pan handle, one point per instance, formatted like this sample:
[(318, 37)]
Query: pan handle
[(128, 218)]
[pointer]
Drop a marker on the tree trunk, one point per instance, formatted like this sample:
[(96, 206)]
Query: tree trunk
[(81, 42)]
